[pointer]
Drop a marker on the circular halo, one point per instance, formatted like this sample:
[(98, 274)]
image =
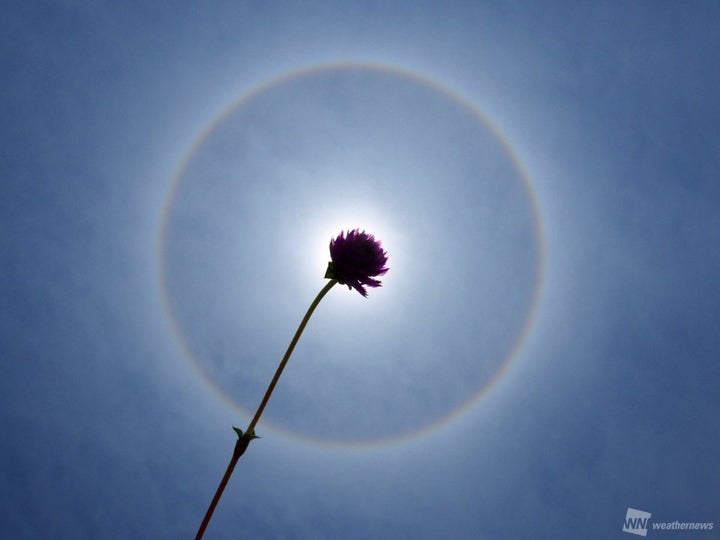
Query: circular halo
[(245, 103)]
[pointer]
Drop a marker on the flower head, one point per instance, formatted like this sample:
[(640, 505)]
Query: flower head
[(356, 259)]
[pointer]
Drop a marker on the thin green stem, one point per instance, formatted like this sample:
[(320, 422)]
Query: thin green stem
[(289, 351), (240, 446), (243, 441)]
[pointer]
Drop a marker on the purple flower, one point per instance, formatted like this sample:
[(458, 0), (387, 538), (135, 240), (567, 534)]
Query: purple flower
[(356, 259)]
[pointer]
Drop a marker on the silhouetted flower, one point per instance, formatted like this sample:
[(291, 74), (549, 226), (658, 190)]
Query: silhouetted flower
[(356, 259)]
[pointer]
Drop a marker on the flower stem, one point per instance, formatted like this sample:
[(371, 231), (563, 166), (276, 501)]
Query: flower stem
[(240, 446), (244, 440), (289, 351)]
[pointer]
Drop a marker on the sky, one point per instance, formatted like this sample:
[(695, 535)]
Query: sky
[(542, 355)]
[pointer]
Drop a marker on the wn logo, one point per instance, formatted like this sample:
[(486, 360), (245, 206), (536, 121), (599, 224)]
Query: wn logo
[(636, 522)]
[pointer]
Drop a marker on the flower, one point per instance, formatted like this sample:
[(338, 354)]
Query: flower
[(356, 259)]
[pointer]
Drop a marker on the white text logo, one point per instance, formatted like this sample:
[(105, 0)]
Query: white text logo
[(636, 522)]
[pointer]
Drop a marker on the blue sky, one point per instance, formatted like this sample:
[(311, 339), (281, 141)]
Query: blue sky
[(542, 354)]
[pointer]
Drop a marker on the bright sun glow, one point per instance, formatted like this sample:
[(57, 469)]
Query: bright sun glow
[(321, 229)]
